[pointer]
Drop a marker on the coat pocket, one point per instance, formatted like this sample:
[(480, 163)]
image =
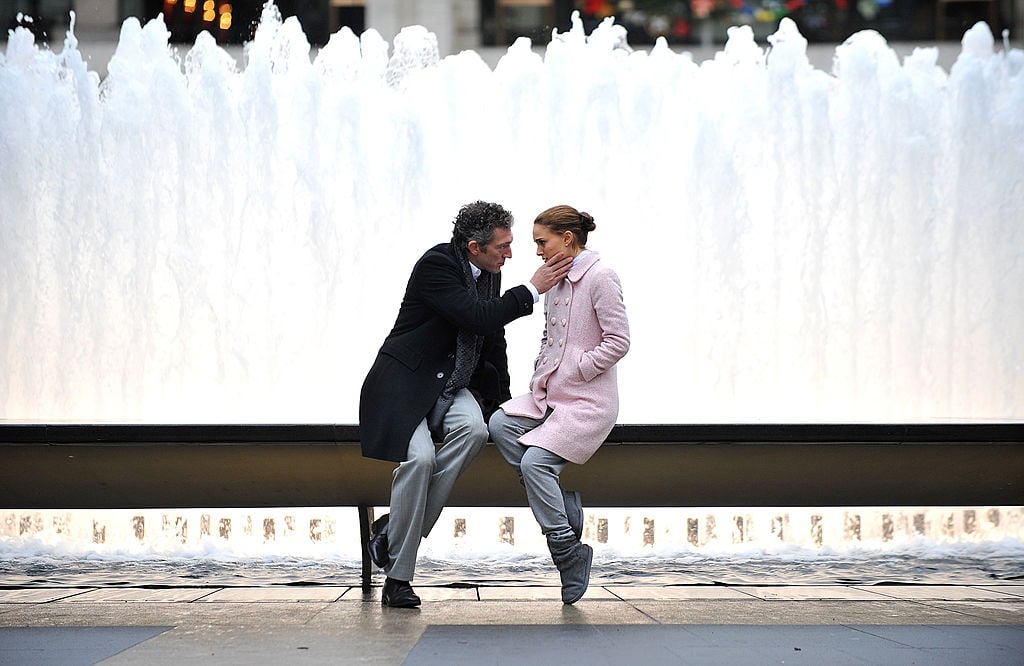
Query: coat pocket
[(410, 358), (588, 369)]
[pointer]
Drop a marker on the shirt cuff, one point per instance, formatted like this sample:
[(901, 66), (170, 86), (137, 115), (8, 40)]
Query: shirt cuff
[(533, 290)]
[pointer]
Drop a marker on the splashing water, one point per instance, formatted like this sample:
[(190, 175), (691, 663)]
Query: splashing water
[(185, 241), (866, 545)]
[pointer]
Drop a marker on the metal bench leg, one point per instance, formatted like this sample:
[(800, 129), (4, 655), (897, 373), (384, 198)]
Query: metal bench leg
[(365, 520)]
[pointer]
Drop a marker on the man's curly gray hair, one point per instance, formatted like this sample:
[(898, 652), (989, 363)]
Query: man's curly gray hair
[(477, 221)]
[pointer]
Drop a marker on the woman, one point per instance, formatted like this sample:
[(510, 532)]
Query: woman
[(573, 400)]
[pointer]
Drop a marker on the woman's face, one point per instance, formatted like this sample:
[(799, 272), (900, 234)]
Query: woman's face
[(548, 242)]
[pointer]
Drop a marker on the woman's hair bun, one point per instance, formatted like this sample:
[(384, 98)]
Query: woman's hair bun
[(587, 221)]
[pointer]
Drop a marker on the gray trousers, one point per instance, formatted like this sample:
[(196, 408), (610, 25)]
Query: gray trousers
[(538, 470), (421, 485)]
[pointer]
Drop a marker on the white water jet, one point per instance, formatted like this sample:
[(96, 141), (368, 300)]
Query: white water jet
[(187, 242), (332, 532)]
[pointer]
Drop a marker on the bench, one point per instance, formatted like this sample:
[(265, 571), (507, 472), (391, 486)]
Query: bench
[(108, 466)]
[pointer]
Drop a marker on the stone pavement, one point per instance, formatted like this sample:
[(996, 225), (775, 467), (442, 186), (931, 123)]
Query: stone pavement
[(690, 624)]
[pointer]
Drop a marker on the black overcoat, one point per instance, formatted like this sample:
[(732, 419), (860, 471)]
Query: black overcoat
[(418, 354)]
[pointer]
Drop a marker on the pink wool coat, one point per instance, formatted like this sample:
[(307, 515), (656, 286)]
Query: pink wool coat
[(585, 334)]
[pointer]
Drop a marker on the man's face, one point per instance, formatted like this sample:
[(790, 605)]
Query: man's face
[(491, 257)]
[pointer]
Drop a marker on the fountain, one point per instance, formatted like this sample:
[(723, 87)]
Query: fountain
[(187, 241), (245, 547)]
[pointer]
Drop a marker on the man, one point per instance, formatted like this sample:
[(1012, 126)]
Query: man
[(440, 372)]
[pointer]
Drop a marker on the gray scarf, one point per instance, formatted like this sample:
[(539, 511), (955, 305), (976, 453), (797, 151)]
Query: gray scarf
[(467, 346)]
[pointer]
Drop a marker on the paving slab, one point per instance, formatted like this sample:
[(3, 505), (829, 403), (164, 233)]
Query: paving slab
[(141, 595), (931, 636), (935, 592), (538, 593), (275, 594), (706, 624), (69, 646), (517, 612), (434, 594), (1012, 590), (730, 644), (830, 611), (680, 593), (809, 592), (981, 613), (37, 595), (213, 617)]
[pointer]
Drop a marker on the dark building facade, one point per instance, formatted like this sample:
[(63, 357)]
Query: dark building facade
[(500, 22)]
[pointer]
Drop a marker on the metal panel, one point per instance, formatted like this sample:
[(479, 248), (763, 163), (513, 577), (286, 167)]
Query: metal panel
[(136, 466)]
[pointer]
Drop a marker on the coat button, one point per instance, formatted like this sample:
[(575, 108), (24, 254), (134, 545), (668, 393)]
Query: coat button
[(556, 300), (561, 342), (553, 321), (563, 322), (551, 342), (440, 375)]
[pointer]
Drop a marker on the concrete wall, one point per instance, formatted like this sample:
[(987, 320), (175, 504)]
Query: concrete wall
[(455, 22), (92, 16), (1017, 29)]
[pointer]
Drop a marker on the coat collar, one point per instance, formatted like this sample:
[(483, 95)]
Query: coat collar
[(582, 265)]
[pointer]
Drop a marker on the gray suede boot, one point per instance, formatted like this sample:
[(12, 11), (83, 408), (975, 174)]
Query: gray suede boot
[(573, 560), (574, 511)]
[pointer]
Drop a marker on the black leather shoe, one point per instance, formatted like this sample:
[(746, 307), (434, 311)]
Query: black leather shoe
[(398, 594), (378, 544)]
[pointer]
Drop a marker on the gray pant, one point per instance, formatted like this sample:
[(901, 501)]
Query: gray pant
[(423, 482), (538, 469)]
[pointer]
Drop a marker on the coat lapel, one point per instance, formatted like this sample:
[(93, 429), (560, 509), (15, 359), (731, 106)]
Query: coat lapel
[(581, 267)]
